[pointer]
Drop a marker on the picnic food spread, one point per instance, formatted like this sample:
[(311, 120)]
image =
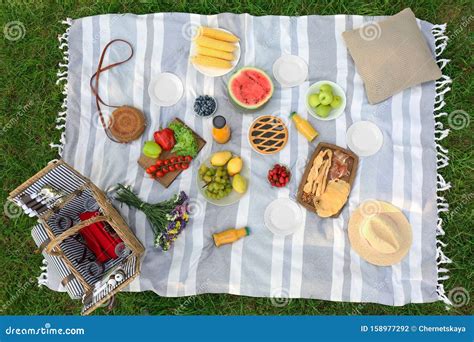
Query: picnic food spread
[(327, 181), (233, 165)]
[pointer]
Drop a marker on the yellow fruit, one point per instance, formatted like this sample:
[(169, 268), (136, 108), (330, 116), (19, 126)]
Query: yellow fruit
[(211, 62), (220, 158), (234, 166), (239, 184), (202, 50), (215, 44), (217, 34)]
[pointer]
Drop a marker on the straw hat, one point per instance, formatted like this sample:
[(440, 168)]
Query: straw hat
[(380, 233)]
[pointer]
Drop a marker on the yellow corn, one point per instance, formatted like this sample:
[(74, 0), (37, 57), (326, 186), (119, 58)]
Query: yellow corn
[(211, 62), (215, 44), (217, 34), (202, 50)]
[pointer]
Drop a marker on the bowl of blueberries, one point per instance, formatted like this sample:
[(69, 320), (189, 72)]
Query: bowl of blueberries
[(205, 106)]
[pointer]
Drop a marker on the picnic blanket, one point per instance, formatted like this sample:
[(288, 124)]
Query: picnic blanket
[(315, 262)]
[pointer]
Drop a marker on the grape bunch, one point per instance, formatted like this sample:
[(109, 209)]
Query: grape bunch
[(217, 180)]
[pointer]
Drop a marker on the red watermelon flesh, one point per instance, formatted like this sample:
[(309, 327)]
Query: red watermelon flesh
[(250, 88)]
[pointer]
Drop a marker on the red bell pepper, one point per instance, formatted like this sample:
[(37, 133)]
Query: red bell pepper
[(165, 138)]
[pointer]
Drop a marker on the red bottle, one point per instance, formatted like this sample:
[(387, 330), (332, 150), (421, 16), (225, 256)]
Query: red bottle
[(100, 242)]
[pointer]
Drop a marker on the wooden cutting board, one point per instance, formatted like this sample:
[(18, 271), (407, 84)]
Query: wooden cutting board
[(352, 167), (145, 162)]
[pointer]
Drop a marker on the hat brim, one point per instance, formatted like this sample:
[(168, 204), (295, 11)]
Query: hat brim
[(364, 249)]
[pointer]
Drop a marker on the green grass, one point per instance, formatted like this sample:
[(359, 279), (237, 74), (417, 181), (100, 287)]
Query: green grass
[(28, 73)]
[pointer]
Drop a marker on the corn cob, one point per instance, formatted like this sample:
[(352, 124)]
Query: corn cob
[(217, 34), (202, 50), (211, 62), (215, 44)]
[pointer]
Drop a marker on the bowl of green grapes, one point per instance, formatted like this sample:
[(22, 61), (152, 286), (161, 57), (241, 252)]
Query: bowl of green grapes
[(219, 186)]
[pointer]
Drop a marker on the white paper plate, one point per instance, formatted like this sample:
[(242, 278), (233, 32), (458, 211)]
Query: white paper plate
[(215, 72), (364, 138), (337, 90), (290, 70), (283, 216), (233, 197), (165, 89)]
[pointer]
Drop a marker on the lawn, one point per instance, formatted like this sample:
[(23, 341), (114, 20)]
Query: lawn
[(30, 100)]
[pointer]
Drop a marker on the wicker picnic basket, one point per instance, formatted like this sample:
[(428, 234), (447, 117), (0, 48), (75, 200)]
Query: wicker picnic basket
[(64, 243)]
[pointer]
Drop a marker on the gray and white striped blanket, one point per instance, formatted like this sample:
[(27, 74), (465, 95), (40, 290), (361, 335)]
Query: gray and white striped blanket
[(315, 262)]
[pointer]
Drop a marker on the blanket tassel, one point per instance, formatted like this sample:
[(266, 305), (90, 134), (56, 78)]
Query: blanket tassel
[(62, 74), (442, 86)]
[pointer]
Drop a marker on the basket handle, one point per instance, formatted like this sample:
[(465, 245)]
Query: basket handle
[(70, 232)]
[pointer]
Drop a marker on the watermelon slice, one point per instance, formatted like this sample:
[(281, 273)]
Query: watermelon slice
[(250, 88)]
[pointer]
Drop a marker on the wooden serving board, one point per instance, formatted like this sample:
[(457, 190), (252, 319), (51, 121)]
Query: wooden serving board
[(352, 167), (145, 162)]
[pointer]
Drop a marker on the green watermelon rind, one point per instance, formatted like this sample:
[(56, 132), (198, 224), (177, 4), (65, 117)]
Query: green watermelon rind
[(242, 105)]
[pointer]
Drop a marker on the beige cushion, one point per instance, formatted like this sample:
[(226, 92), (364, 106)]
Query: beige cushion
[(391, 55)]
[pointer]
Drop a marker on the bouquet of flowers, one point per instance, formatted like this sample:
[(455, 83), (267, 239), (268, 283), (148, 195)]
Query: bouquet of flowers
[(167, 218)]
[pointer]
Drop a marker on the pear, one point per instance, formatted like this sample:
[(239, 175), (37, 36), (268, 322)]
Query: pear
[(239, 184), (234, 166), (220, 158)]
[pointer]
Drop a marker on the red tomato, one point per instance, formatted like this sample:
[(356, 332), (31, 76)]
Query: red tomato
[(159, 162), (166, 162), (188, 159), (164, 169), (180, 159), (184, 166), (160, 174), (173, 160), (171, 168)]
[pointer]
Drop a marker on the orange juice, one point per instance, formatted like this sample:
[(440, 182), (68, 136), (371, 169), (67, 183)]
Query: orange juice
[(230, 235), (220, 131)]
